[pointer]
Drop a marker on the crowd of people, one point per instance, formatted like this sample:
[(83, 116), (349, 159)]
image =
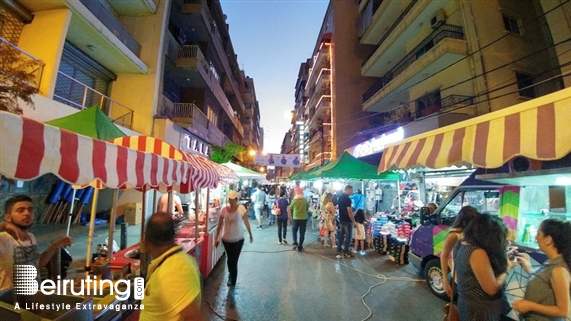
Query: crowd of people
[(476, 250)]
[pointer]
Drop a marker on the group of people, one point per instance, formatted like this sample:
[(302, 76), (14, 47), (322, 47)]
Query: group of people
[(477, 251)]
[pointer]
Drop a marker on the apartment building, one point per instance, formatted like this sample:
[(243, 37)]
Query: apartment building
[(141, 61), (440, 62), (329, 104)]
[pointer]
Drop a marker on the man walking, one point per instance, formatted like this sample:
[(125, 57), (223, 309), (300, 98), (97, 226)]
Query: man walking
[(346, 223), (298, 213), (259, 200), (17, 245), (172, 290)]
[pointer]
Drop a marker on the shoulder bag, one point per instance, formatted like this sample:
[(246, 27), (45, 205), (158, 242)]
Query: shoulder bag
[(451, 310)]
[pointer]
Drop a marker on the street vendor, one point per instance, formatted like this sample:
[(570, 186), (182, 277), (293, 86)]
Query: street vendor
[(163, 205), (17, 245)]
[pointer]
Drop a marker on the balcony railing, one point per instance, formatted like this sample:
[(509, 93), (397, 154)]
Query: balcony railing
[(21, 61), (408, 112), (453, 100), (113, 24), (367, 15), (77, 94), (442, 32)]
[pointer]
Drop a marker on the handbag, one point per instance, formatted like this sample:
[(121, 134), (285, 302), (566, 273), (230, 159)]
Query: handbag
[(451, 310), (276, 210)]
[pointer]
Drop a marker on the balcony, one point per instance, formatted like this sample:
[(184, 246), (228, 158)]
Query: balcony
[(411, 21), (190, 117), (440, 49), (74, 93), (429, 105), (113, 24), (379, 17), (134, 7), (27, 70), (322, 109), (320, 61), (191, 6)]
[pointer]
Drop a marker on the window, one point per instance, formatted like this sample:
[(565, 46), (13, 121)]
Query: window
[(485, 201), (212, 116), (525, 85), (511, 25)]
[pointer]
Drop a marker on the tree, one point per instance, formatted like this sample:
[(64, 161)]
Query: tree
[(225, 154), (18, 74)]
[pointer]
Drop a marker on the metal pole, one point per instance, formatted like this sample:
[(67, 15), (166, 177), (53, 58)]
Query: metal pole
[(142, 252), (155, 194), (70, 216), (196, 209), (112, 217), (90, 233)]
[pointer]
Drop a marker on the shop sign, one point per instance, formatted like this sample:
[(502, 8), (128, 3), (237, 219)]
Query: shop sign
[(377, 144), (193, 145)]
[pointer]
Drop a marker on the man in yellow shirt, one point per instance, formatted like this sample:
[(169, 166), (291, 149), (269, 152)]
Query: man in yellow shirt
[(172, 289)]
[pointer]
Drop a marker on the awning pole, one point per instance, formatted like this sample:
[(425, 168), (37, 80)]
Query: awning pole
[(90, 233), (70, 216), (112, 217), (142, 252)]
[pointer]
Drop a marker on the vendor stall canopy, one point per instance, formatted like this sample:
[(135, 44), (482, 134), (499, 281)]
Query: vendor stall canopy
[(537, 129), (30, 149), (90, 122), (244, 173), (348, 167)]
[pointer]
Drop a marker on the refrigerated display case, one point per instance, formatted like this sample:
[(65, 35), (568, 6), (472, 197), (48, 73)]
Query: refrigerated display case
[(217, 198)]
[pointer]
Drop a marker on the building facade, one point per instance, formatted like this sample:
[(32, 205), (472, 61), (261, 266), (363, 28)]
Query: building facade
[(440, 62), (158, 68)]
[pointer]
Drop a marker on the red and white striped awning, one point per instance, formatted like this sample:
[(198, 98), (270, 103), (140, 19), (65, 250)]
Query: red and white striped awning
[(30, 149), (202, 174), (538, 129)]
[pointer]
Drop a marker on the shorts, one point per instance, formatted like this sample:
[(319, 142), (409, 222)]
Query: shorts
[(359, 232)]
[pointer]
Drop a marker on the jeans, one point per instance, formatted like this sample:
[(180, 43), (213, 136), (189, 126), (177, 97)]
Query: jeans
[(301, 225), (233, 253), (345, 234), (282, 226)]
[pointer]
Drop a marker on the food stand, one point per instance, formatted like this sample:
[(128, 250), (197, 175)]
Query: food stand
[(30, 149)]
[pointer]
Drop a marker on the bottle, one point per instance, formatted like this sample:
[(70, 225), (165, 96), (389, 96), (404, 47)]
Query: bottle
[(526, 237)]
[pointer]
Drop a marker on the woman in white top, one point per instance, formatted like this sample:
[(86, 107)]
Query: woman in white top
[(232, 221)]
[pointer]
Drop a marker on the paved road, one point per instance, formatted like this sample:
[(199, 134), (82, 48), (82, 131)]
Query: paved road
[(277, 283)]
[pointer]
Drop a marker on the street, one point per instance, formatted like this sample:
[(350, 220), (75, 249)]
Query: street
[(277, 283)]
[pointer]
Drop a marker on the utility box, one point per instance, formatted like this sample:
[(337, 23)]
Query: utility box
[(134, 213)]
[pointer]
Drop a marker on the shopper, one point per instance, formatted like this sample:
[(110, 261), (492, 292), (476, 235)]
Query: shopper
[(232, 220), (297, 211), (329, 222), (547, 294), (282, 204), (346, 223), (359, 231), (18, 246), (270, 201), (481, 266), (465, 215), (259, 200), (172, 274)]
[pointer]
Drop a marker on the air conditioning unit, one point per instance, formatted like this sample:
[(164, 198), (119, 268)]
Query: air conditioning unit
[(438, 19), (520, 164)]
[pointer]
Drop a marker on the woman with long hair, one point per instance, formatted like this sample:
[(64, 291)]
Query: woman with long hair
[(481, 266), (466, 214), (547, 294), (328, 219)]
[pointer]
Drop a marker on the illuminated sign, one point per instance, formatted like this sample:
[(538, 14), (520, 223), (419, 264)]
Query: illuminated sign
[(193, 145), (377, 144)]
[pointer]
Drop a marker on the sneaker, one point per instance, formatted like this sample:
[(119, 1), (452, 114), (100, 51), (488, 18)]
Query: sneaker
[(348, 255), (362, 252), (338, 256), (259, 228), (280, 243), (284, 242), (300, 249)]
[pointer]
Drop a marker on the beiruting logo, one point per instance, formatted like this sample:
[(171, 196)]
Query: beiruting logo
[(26, 283)]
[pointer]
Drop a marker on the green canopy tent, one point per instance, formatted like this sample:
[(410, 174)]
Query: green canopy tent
[(349, 167), (244, 173), (90, 122), (304, 176)]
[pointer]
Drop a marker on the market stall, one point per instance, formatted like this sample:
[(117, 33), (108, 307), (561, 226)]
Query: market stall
[(30, 149), (523, 153)]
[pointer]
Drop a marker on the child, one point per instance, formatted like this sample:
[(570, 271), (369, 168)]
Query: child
[(359, 231), (368, 230)]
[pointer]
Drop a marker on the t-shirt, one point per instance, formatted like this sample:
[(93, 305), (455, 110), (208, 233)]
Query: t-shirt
[(171, 287), (358, 201), (344, 202), (259, 198), (16, 252), (283, 203), (299, 206), (233, 224), (378, 194)]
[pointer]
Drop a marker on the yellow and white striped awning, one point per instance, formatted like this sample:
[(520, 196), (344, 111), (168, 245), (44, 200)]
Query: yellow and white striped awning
[(538, 129)]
